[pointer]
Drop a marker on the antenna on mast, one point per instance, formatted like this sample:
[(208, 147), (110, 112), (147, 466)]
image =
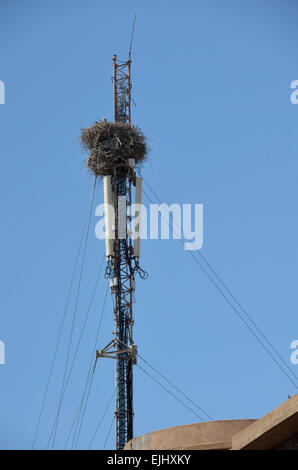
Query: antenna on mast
[(131, 37)]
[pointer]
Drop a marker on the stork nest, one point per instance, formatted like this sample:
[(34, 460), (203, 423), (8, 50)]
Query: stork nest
[(111, 145)]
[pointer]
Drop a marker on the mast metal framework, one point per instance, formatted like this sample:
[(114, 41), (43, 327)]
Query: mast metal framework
[(121, 272)]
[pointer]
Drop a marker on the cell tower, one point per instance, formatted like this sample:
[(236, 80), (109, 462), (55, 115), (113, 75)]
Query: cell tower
[(108, 158)]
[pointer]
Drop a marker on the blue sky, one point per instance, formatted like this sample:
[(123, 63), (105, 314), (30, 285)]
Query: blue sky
[(211, 83)]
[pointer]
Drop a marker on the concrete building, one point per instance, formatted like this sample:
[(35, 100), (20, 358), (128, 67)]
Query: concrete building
[(277, 430)]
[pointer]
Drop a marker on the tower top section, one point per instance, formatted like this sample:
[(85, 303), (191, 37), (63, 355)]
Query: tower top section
[(122, 90), (116, 147)]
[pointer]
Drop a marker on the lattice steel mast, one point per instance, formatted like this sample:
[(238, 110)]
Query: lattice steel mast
[(122, 264)]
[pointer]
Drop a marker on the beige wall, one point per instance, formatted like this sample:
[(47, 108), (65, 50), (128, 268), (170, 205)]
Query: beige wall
[(277, 429), (209, 435)]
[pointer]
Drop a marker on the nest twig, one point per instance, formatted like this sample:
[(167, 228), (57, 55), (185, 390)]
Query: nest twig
[(111, 145)]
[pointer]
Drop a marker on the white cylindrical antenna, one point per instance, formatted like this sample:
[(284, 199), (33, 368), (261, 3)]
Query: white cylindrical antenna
[(121, 217), (109, 202), (138, 210)]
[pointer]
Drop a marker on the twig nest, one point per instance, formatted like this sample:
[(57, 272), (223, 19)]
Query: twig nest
[(111, 145)]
